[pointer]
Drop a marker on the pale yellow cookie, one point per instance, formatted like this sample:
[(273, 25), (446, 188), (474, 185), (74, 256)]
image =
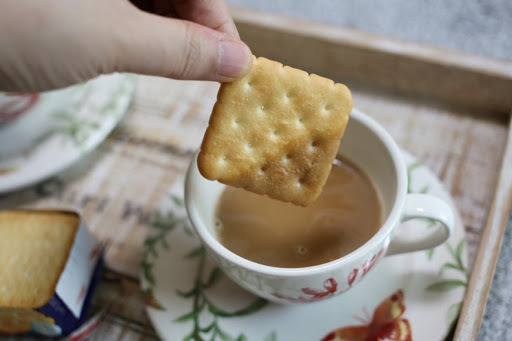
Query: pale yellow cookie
[(34, 247), (276, 132)]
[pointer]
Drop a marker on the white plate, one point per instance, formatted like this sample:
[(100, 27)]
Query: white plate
[(188, 298), (60, 128)]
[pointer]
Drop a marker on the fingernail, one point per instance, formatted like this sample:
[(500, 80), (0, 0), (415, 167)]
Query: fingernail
[(235, 59)]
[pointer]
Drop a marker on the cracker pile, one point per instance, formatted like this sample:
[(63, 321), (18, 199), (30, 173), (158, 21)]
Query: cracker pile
[(276, 132)]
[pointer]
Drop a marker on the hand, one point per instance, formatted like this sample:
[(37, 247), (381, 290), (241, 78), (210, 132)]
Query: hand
[(51, 44)]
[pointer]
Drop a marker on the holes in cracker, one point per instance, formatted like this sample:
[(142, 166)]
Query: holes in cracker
[(287, 158), (286, 97), (328, 107), (312, 148), (263, 169), (302, 182)]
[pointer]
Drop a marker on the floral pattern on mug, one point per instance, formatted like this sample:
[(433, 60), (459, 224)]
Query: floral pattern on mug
[(330, 285), (366, 267)]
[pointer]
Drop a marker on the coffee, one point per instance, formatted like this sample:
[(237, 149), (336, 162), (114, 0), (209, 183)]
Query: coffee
[(270, 232)]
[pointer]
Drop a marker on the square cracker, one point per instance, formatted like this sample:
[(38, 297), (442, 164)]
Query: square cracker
[(276, 132)]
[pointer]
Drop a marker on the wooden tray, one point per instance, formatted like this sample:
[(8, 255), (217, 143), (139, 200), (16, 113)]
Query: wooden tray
[(450, 110)]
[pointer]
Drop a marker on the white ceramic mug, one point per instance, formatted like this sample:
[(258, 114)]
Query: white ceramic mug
[(370, 147)]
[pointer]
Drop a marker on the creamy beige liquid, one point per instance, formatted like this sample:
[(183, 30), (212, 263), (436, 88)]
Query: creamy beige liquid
[(270, 232)]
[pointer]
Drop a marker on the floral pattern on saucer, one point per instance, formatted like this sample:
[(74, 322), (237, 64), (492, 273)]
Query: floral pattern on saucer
[(414, 296), (60, 127)]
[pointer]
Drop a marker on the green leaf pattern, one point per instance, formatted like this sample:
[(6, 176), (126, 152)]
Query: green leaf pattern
[(453, 274), (201, 304), (162, 225), (446, 285), (75, 128)]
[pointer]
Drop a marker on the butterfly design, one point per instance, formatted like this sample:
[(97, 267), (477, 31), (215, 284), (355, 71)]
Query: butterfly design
[(386, 324)]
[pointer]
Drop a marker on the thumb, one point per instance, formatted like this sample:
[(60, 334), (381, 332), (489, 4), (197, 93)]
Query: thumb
[(179, 49)]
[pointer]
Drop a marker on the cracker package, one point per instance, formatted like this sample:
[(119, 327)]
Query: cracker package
[(50, 267), (276, 132)]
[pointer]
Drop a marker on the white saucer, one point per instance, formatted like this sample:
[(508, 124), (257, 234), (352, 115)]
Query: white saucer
[(432, 282), (60, 128)]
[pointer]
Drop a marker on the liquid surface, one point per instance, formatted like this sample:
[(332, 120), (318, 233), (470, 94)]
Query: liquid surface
[(270, 232)]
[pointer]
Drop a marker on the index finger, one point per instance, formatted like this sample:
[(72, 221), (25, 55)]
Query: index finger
[(210, 13)]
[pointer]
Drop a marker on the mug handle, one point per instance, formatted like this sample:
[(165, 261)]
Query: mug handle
[(429, 207)]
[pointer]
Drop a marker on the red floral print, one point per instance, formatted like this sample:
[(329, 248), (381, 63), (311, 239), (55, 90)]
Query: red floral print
[(330, 286)]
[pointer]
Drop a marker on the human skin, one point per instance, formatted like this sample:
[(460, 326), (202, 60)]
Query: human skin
[(51, 44)]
